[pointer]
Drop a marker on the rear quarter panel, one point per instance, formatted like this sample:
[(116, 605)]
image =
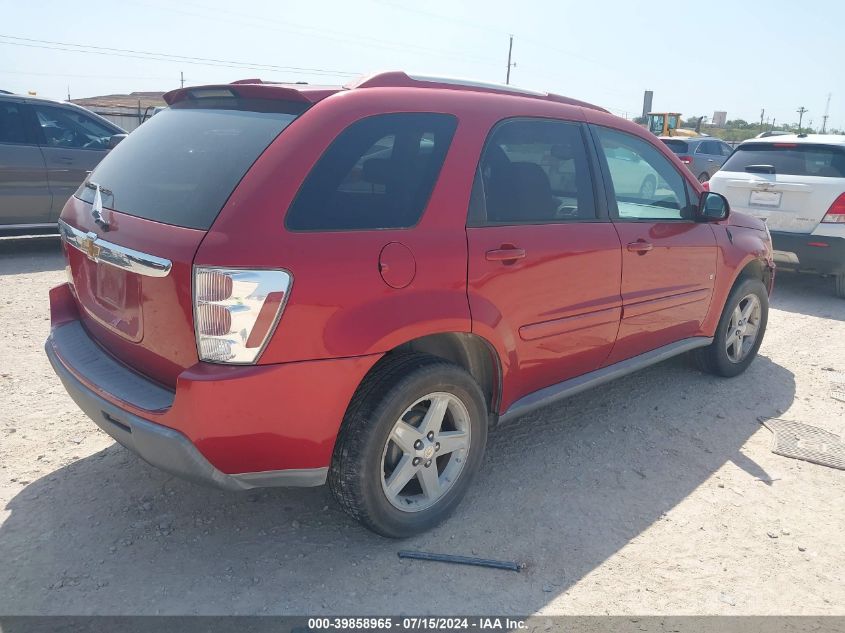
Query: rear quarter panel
[(339, 304)]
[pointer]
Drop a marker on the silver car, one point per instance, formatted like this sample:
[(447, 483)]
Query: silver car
[(703, 156), (47, 149)]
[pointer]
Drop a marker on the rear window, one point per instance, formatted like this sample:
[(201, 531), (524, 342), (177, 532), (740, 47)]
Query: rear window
[(678, 147), (795, 159), (377, 174), (182, 165)]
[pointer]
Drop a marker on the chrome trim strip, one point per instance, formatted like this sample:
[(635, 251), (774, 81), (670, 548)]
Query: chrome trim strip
[(99, 250), (42, 225)]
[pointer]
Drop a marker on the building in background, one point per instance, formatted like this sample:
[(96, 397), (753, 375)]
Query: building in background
[(720, 118), (127, 111)]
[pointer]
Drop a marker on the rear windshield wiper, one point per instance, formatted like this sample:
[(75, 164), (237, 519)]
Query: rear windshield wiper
[(103, 190), (760, 169)]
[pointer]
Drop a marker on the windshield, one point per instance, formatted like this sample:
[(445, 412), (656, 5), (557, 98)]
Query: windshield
[(182, 165), (66, 128), (655, 123), (796, 159)]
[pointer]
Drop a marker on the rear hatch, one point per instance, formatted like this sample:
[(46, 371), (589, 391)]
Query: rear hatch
[(789, 185), (676, 145), (132, 229)]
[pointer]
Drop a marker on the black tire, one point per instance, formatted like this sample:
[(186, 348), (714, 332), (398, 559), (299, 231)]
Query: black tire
[(703, 177), (394, 384), (714, 359), (839, 285)]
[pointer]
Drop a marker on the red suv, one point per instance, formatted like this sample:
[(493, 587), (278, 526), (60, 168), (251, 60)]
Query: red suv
[(278, 285)]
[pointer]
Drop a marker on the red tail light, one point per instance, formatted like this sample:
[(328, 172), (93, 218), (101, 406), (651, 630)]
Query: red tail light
[(836, 212), (686, 160), (236, 311), (706, 185)]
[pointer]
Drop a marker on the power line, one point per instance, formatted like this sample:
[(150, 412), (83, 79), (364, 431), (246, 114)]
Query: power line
[(266, 22), (20, 72), (165, 57)]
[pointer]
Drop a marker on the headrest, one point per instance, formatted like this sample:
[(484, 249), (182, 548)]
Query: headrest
[(378, 171)]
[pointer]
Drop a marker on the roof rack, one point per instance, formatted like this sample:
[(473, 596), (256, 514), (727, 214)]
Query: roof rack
[(399, 79)]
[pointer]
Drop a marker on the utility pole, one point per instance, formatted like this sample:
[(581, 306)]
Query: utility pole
[(826, 113), (510, 65), (762, 112), (800, 112), (773, 123), (182, 78), (68, 96)]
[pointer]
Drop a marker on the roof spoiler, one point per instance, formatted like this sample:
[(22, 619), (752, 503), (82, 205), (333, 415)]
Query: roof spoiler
[(251, 89)]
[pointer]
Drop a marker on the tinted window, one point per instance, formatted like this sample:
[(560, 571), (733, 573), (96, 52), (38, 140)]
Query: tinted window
[(708, 147), (795, 159), (377, 174), (647, 186), (64, 127), (181, 166), (725, 149), (678, 147), (11, 123), (536, 171)]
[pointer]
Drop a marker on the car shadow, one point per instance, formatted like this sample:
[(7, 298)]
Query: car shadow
[(30, 254), (561, 490), (808, 294)]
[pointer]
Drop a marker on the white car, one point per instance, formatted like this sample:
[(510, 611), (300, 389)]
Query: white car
[(796, 183)]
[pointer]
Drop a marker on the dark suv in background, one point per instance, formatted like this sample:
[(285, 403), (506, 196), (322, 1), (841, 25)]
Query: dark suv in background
[(47, 149)]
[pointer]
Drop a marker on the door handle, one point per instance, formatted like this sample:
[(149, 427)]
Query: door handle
[(640, 247), (710, 160), (64, 159), (507, 254)]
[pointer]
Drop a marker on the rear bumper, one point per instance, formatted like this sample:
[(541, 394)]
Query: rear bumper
[(808, 252), (163, 447), (230, 427)]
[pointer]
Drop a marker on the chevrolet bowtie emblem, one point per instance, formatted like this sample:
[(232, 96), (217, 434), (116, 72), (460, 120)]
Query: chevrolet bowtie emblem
[(88, 246)]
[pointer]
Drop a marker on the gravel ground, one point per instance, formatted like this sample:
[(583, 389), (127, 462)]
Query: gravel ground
[(656, 494)]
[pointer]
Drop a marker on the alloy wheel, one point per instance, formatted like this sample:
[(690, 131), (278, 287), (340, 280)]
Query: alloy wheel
[(743, 328), (425, 452)]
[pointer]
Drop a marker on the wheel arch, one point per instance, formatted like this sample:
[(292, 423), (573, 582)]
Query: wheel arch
[(475, 354), (754, 269)]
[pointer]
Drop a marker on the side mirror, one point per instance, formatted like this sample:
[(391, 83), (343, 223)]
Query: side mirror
[(114, 140), (712, 207)]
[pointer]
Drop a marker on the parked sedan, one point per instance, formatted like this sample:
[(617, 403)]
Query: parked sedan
[(703, 156), (46, 150)]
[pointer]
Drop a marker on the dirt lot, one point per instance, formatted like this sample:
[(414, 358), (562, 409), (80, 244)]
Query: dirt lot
[(657, 494)]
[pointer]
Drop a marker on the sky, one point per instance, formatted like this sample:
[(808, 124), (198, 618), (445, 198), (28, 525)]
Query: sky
[(697, 56)]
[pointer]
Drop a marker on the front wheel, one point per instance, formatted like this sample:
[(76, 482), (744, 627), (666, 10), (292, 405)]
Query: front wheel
[(739, 333), (410, 443)]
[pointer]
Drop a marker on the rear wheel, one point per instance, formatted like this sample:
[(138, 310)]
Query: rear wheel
[(839, 281), (703, 177), (410, 443), (739, 333)]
